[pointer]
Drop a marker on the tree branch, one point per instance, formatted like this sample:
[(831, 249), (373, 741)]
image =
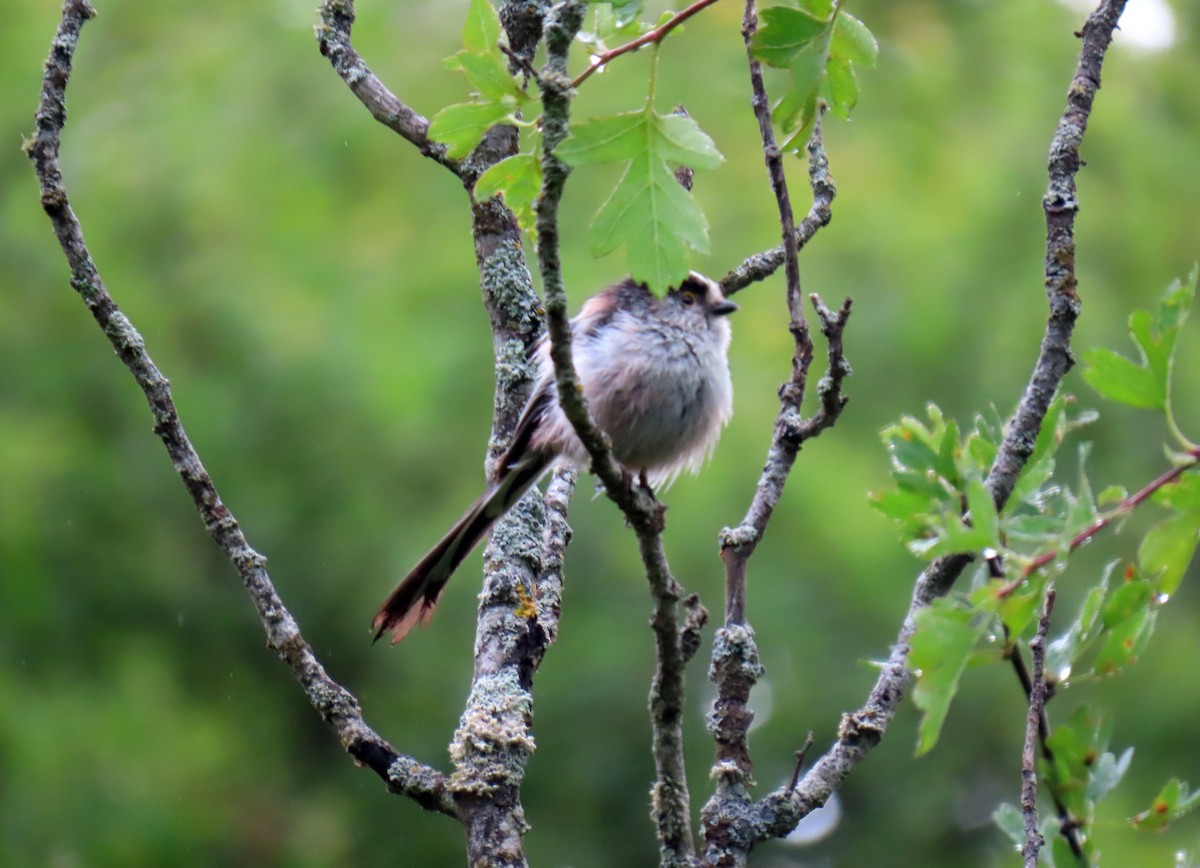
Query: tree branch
[(760, 266), (333, 39), (861, 730), (337, 706), (1033, 723), (670, 800)]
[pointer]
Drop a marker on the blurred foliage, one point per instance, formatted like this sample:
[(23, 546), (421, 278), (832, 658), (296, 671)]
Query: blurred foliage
[(307, 282)]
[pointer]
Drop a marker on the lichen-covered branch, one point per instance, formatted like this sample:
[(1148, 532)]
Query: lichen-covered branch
[(862, 730), (333, 39), (670, 806), (760, 266), (337, 706), (735, 666), (1033, 724)]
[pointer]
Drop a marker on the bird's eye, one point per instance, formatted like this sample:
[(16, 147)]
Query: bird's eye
[(687, 297)]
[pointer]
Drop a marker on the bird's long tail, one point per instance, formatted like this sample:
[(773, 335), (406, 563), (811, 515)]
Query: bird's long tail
[(414, 599)]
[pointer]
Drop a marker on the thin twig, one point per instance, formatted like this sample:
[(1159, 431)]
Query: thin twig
[(1033, 723), (333, 39), (337, 706), (655, 35), (760, 266), (1068, 825), (735, 666), (862, 730)]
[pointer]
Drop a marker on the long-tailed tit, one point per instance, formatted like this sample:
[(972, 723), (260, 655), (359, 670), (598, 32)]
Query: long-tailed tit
[(655, 372)]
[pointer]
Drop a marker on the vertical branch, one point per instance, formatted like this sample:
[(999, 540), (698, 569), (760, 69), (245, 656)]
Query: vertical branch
[(1033, 723), (862, 730), (670, 808)]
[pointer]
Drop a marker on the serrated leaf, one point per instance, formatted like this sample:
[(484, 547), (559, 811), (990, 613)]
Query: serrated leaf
[(1167, 549), (852, 41), (1182, 495), (1075, 747), (481, 32), (1173, 801), (655, 218), (797, 110), (1155, 333), (488, 75), (462, 126), (519, 180), (1065, 651), (1106, 773), (1126, 641), (1119, 379), (1011, 822), (683, 143), (783, 31), (625, 11), (940, 648), (1128, 599), (604, 140), (983, 513), (1040, 465)]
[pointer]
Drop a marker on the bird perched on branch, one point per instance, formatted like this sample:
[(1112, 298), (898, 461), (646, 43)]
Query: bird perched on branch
[(655, 373)]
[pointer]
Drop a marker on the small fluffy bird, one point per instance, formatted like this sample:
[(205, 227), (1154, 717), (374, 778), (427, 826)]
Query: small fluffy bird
[(655, 372)]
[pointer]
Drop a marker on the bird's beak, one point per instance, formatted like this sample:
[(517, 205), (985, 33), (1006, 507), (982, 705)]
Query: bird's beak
[(724, 307)]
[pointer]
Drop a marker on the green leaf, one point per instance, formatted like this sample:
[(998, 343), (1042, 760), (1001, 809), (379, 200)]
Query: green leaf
[(1106, 773), (1011, 822), (1117, 378), (462, 126), (656, 219), (783, 31), (1172, 802), (1167, 549), (797, 110), (852, 41), (1040, 465), (604, 140), (481, 32), (488, 75), (649, 213), (1154, 332), (1076, 746), (519, 180), (941, 646), (683, 143), (1182, 495), (1129, 621)]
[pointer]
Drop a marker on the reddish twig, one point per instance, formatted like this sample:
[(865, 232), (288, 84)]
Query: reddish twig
[(655, 35), (1121, 511)]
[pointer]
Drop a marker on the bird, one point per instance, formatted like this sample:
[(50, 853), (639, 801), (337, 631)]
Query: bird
[(655, 374)]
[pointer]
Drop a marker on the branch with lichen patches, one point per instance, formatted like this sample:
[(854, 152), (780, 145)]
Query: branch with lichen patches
[(336, 705), (670, 801), (333, 39), (735, 667), (862, 730)]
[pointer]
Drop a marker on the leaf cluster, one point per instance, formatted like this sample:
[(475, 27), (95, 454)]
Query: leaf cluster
[(822, 47), (941, 505)]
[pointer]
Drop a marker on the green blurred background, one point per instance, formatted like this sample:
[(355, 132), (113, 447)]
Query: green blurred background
[(307, 282)]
